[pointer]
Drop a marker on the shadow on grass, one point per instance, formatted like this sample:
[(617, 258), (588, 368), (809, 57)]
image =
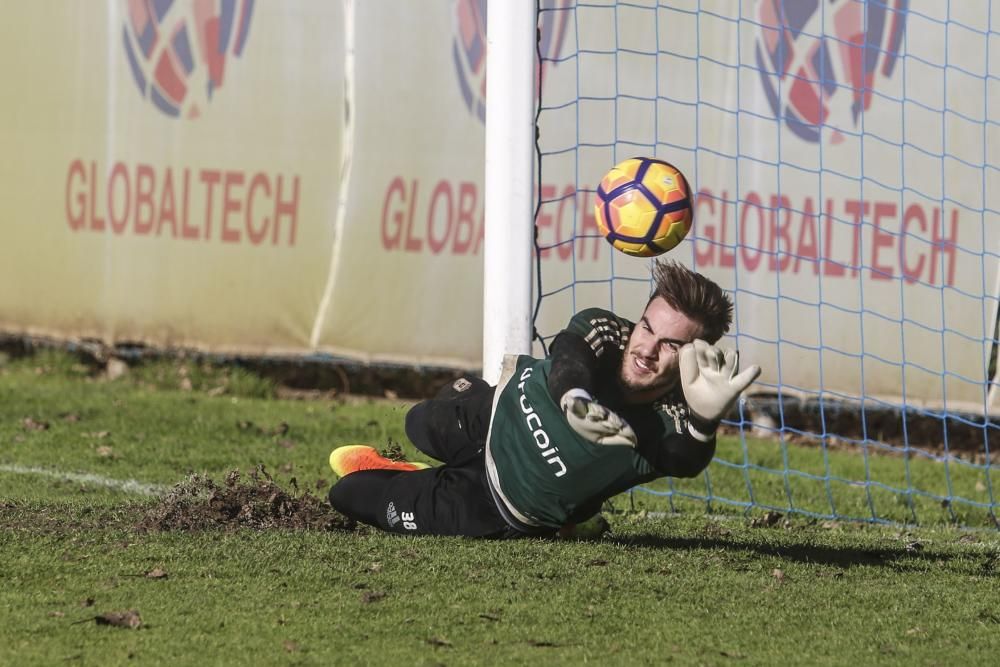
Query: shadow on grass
[(911, 554)]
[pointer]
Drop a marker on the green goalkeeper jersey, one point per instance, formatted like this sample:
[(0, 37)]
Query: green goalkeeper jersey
[(544, 473)]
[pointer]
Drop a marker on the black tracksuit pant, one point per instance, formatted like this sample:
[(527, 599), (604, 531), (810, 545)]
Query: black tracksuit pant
[(452, 499)]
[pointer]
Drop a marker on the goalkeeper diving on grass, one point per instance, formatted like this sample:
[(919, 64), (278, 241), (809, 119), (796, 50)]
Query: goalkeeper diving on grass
[(615, 403)]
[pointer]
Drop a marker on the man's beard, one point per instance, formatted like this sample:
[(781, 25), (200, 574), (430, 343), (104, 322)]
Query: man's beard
[(659, 385)]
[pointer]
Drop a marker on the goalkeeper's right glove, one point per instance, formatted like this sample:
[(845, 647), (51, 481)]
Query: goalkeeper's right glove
[(710, 383), (594, 421)]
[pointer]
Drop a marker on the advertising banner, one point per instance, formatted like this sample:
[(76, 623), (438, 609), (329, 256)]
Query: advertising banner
[(307, 178), (170, 170), (408, 283), (843, 193)]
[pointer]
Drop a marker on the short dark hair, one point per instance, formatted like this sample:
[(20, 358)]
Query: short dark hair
[(696, 296)]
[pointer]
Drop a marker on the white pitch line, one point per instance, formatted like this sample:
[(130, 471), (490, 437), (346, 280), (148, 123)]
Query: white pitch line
[(127, 485)]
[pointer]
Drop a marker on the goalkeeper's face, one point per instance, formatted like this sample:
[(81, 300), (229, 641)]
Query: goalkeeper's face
[(650, 365)]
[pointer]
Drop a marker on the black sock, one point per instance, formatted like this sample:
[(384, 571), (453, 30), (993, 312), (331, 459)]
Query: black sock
[(359, 495)]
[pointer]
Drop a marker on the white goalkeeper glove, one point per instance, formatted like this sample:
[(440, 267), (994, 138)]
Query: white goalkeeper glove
[(594, 421), (710, 382)]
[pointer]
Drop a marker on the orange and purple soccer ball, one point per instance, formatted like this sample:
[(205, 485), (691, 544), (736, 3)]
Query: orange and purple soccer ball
[(644, 206)]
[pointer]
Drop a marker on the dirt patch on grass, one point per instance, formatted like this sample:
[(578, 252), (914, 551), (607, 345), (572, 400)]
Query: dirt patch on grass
[(254, 502)]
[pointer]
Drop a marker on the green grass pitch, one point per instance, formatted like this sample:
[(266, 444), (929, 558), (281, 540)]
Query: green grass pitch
[(82, 460)]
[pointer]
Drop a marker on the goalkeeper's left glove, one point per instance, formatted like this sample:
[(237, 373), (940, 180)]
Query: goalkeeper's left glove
[(710, 383), (594, 421)]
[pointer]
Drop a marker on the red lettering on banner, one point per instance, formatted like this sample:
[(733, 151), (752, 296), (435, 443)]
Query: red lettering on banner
[(258, 182), (168, 207), (119, 174), (145, 209), (831, 267), (589, 231), (913, 212), (704, 257), (412, 244), (391, 235), (881, 239), (780, 252), (286, 207), (543, 222), (858, 210), (943, 245), (481, 236), (211, 178), (76, 217), (446, 222), (808, 243), (727, 258), (566, 201), (465, 221), (144, 200), (231, 204), (435, 242), (452, 220), (96, 222), (751, 261), (798, 236), (794, 239)]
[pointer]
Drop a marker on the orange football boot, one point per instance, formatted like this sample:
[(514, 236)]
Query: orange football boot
[(352, 458)]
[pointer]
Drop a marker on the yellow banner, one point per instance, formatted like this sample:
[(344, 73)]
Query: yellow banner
[(171, 171), (408, 280), (307, 177)]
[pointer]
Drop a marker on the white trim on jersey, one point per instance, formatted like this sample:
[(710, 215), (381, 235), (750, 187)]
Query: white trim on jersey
[(506, 507)]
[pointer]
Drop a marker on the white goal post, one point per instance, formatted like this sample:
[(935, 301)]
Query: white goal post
[(510, 130)]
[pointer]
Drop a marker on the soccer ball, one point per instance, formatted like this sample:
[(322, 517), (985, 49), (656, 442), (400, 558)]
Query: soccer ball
[(643, 207)]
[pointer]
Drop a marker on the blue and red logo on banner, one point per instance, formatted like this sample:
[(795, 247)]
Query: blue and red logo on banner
[(810, 69), (177, 50), (469, 46)]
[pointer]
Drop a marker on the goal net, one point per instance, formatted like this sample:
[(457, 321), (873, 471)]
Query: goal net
[(846, 161)]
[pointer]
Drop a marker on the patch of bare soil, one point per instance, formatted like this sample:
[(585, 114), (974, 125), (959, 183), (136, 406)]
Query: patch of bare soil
[(254, 502)]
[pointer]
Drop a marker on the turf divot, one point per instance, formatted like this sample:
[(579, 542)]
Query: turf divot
[(256, 502)]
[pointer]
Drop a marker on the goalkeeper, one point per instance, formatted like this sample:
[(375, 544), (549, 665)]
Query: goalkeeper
[(615, 404)]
